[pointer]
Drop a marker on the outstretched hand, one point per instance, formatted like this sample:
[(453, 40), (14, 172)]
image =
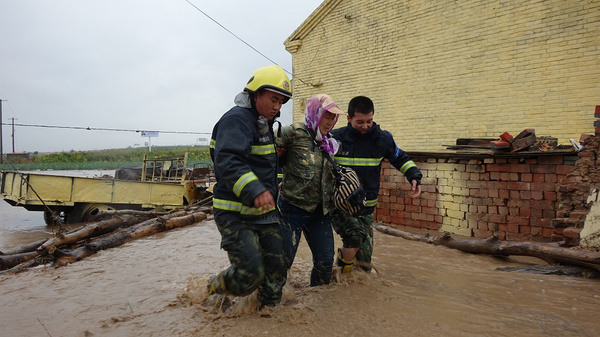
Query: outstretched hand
[(415, 189)]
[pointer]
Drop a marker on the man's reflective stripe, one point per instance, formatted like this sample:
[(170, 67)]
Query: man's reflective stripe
[(234, 206), (371, 203), (409, 164), (263, 150), (243, 181), (260, 150), (347, 161), (279, 175)]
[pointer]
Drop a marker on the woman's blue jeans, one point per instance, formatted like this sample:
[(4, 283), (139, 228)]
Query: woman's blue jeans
[(319, 237)]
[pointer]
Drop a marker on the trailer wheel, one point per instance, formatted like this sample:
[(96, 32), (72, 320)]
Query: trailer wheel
[(91, 212)]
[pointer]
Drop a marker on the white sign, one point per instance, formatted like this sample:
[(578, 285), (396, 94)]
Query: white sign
[(149, 133)]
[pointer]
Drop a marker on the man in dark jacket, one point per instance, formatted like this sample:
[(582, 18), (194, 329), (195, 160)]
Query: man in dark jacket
[(243, 152), (363, 146)]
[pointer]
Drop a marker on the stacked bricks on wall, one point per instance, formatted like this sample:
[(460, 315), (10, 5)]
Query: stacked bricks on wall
[(515, 198)]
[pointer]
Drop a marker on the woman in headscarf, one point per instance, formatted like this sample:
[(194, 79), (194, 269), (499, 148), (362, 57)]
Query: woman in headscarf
[(305, 199)]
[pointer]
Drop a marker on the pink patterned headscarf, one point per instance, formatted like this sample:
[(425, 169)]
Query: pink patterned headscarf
[(316, 107)]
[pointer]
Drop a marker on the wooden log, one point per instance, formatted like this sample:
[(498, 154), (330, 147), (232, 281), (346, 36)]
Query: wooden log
[(124, 235), (88, 230), (493, 246), (9, 261), (24, 249)]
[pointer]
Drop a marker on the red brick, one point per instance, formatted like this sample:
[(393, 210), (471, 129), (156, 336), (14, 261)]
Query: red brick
[(521, 186), (496, 167), (526, 177), (429, 210), (518, 203), (518, 220), (513, 228), (537, 195), (525, 229), (494, 176), (525, 195), (480, 233), (536, 231), (543, 169), (572, 232), (514, 194), (540, 222), (497, 218), (492, 193), (505, 194), (504, 176), (551, 187), (557, 160), (503, 210), (526, 212), (412, 208), (564, 169), (547, 232), (520, 168), (535, 213), (549, 213), (538, 178), (477, 193)]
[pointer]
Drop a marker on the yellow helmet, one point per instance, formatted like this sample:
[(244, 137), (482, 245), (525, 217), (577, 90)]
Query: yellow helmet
[(272, 78)]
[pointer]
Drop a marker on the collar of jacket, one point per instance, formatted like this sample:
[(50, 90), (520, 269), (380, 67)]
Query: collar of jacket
[(244, 100), (372, 133)]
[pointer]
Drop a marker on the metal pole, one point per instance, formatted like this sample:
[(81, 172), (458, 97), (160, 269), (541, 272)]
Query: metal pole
[(13, 134), (1, 153)]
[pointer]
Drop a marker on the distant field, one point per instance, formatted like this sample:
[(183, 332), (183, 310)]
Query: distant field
[(104, 159)]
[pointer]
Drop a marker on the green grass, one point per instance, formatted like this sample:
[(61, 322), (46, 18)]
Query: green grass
[(106, 159)]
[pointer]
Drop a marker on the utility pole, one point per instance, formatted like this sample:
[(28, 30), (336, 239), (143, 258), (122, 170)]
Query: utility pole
[(1, 154), (13, 134)]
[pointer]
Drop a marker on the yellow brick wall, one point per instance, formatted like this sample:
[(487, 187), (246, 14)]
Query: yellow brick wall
[(441, 70)]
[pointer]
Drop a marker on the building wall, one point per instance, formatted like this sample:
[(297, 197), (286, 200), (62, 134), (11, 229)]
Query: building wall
[(442, 70), (515, 198)]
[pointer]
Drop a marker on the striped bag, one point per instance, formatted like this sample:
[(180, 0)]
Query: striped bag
[(348, 194)]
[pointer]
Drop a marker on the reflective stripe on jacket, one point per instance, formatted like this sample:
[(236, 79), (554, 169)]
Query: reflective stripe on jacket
[(364, 153)]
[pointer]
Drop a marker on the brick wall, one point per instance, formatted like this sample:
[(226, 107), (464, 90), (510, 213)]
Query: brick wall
[(515, 198), (441, 70)]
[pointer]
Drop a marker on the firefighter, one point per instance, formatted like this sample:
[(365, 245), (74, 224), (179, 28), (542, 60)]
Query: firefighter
[(363, 146), (245, 162)]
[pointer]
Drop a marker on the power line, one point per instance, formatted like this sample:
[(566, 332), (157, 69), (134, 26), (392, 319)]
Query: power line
[(248, 44), (230, 32), (102, 129)]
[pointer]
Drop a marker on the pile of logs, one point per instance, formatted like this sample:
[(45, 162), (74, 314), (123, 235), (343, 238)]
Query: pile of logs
[(120, 227), (124, 226)]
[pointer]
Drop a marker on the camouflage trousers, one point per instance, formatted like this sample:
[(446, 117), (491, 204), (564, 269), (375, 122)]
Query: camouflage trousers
[(356, 232), (257, 260)]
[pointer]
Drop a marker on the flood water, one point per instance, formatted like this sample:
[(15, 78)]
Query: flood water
[(155, 287)]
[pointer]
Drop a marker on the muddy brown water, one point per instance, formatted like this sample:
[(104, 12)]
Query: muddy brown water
[(155, 287)]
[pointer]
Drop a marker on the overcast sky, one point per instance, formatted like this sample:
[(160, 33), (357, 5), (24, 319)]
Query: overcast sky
[(132, 65)]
